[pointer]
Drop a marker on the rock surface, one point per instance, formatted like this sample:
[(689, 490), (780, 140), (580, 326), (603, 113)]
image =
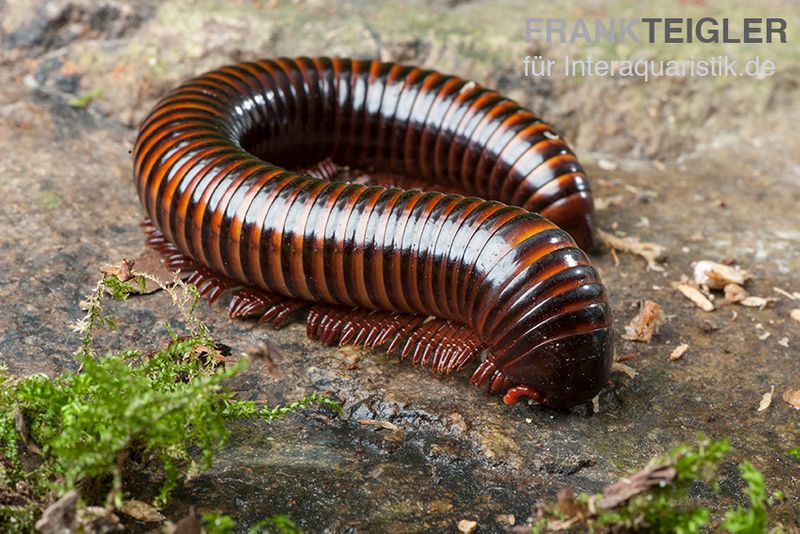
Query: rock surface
[(708, 168)]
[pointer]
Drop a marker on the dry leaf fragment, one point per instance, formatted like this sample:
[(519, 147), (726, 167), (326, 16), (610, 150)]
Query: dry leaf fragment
[(619, 492), (190, 524), (566, 504), (607, 164), (694, 294), (792, 397), (141, 511), (735, 293), (506, 519), (795, 314), (123, 271), (790, 296), (22, 429), (603, 203), (649, 251), (784, 342), (644, 325), (377, 422), (755, 302), (467, 526), (766, 399), (677, 354), (622, 368), (717, 275), (627, 357), (152, 262), (60, 516), (395, 434)]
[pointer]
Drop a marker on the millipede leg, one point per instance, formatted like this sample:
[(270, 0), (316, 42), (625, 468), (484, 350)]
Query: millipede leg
[(272, 308), (322, 170), (514, 394), (210, 284), (446, 346)]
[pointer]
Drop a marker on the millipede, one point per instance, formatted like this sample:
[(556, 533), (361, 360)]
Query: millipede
[(459, 243)]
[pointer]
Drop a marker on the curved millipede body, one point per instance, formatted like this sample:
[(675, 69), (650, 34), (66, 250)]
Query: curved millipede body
[(438, 276)]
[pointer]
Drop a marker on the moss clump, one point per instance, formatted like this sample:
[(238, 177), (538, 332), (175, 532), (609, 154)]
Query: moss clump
[(79, 430), (216, 523), (658, 499)]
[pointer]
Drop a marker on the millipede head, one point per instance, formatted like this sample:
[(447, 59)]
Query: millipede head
[(562, 372)]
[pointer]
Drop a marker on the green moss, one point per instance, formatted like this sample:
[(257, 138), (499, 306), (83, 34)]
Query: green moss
[(85, 99), (49, 200), (752, 519), (217, 523), (78, 430), (666, 507)]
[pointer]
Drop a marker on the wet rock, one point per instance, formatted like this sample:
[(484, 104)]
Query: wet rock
[(68, 207), (41, 25)]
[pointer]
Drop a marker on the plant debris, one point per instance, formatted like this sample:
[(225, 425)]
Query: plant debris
[(152, 262), (83, 425), (651, 252), (762, 332), (790, 296), (659, 498), (141, 511), (678, 353), (61, 516), (621, 491), (506, 519), (190, 524), (123, 271), (696, 296), (792, 397), (795, 315), (756, 302), (466, 526), (607, 164), (85, 99), (766, 399), (645, 324), (627, 357), (379, 423), (717, 275), (622, 368), (603, 203), (735, 293)]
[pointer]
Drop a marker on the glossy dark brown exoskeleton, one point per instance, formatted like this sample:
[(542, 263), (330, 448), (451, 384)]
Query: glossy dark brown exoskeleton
[(437, 275)]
